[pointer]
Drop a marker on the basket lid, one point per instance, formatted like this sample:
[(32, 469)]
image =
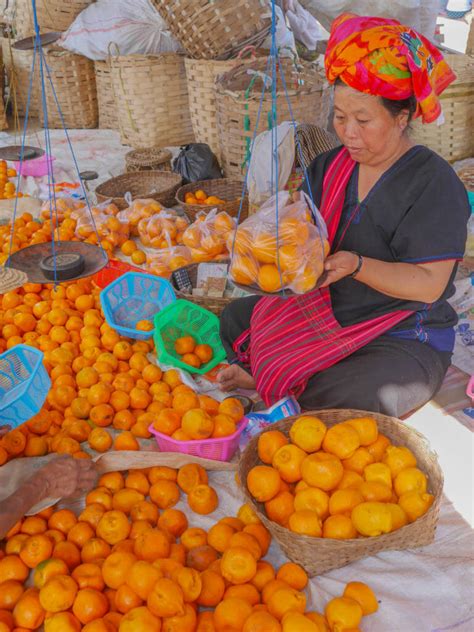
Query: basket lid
[(11, 279)]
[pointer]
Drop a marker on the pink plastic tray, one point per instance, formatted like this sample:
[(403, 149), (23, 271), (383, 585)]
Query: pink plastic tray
[(216, 449), (38, 167)]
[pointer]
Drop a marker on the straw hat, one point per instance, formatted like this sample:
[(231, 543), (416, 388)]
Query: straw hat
[(11, 279)]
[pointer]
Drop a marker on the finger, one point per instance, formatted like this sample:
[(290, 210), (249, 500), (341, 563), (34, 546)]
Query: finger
[(332, 277)]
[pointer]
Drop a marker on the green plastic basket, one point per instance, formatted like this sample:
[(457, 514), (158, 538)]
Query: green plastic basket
[(183, 318)]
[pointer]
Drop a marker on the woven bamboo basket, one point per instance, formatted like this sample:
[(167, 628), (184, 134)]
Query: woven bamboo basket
[(470, 40), (215, 30), (18, 65), (53, 15), (151, 95), (466, 175), (153, 159), (224, 188), (454, 139), (238, 100), (73, 78), (157, 185), (3, 114), (212, 304), (201, 75), (319, 555), (108, 118)]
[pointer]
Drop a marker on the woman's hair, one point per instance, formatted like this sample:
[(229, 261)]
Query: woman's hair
[(395, 107)]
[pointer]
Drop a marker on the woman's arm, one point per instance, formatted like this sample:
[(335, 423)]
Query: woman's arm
[(422, 282), (60, 478)]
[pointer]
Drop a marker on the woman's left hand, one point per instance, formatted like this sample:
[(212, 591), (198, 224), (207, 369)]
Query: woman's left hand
[(339, 265)]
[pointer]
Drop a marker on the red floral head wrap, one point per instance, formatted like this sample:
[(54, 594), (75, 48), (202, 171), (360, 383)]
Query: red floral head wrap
[(382, 57)]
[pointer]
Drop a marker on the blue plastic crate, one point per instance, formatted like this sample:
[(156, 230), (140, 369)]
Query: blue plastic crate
[(135, 296), (24, 384)]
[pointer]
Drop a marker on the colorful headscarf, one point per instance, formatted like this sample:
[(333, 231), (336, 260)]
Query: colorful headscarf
[(382, 57)]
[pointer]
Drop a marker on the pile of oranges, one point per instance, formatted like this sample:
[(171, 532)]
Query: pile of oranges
[(192, 353), (200, 197), (7, 188), (342, 482), (131, 562)]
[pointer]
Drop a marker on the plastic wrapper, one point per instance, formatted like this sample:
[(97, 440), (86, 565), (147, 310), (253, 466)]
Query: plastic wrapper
[(162, 230), (291, 258), (165, 261), (207, 238), (138, 210)]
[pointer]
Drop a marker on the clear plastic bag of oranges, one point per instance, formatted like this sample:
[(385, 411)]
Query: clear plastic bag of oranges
[(102, 226), (61, 208), (291, 258), (138, 210), (165, 261), (162, 230), (207, 238)]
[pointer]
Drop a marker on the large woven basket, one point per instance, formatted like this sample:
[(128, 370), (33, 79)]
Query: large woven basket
[(18, 64), (454, 139), (108, 118), (223, 188), (319, 555), (239, 95), (157, 185), (73, 78), (212, 304), (151, 95), (153, 159), (53, 15), (3, 115), (215, 30)]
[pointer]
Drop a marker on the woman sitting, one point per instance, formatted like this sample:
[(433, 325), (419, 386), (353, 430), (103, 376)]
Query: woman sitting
[(379, 335)]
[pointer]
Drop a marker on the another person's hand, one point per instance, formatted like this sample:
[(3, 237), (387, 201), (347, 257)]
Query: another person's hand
[(339, 265), (66, 476)]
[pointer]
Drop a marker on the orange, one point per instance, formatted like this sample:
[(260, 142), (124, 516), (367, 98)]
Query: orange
[(123, 420), (165, 493), (185, 344), (268, 443), (10, 592), (166, 599), (173, 521), (58, 593), (293, 574), (224, 426), (160, 472), (36, 549), (181, 622), (339, 527), (305, 522), (263, 482), (312, 499), (100, 440), (191, 475), (231, 614), (246, 541), (399, 517), (62, 622), (413, 503), (126, 599), (88, 576), (203, 499), (141, 578), (140, 620), (232, 407), (151, 545), (364, 596), (378, 472), (288, 461), (343, 501), (112, 481), (116, 568), (265, 574), (99, 625), (14, 442), (137, 480), (204, 353), (280, 508), (189, 580), (297, 622), (378, 447), (308, 433), (358, 461), (343, 613), (238, 565), (144, 510), (366, 428), (197, 424), (193, 537), (375, 491), (167, 421), (69, 553), (398, 458), (113, 527), (101, 496), (247, 592), (151, 373), (261, 534), (126, 441), (269, 278), (80, 533), (350, 480), (322, 470), (201, 557), (33, 525), (372, 518), (408, 480), (28, 612), (14, 543), (125, 499), (261, 622), (90, 604), (342, 440), (284, 600), (183, 402), (213, 588)]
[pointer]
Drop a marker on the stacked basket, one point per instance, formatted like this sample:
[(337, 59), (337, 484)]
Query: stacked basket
[(53, 15), (18, 65), (105, 96), (453, 139)]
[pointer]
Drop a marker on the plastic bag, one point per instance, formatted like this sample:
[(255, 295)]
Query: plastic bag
[(165, 261), (103, 225), (137, 210), (207, 238), (197, 162), (162, 230), (292, 261), (62, 208), (134, 27), (305, 27)]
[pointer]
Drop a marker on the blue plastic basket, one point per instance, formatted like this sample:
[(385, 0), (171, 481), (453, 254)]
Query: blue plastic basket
[(135, 296), (24, 384)]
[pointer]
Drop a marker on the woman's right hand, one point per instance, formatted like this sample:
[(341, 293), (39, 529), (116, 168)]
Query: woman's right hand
[(65, 476)]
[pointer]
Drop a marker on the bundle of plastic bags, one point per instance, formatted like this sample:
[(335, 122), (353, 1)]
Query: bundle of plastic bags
[(207, 238), (285, 250)]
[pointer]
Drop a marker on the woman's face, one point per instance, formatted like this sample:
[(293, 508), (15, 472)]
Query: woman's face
[(368, 130)]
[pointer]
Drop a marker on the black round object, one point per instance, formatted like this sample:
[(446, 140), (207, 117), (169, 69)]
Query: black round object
[(89, 175), (13, 152), (63, 267), (74, 260), (28, 43)]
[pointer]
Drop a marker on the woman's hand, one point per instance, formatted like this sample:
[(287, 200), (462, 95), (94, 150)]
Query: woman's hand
[(65, 476), (339, 265)]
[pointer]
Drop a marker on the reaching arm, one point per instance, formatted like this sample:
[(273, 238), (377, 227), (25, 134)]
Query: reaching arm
[(423, 282)]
